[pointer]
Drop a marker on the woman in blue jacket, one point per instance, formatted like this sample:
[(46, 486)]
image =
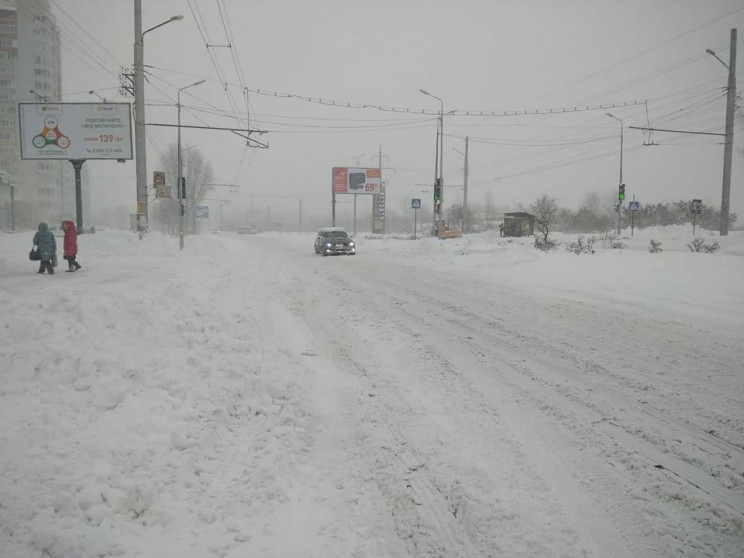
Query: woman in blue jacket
[(47, 245)]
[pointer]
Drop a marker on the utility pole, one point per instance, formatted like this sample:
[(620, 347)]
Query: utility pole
[(139, 120), (140, 151), (620, 182), (729, 145), (465, 190), (439, 168)]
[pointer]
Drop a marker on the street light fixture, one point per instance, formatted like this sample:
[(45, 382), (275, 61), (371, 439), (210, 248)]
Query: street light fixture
[(619, 202), (103, 99), (728, 148), (714, 55), (39, 96), (172, 18), (440, 170), (139, 113), (181, 185)]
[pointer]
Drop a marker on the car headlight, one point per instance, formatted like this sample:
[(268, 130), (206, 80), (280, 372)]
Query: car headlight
[(328, 244), (351, 245)]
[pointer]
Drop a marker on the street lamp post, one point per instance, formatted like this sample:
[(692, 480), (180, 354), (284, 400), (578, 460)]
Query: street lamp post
[(729, 141), (139, 113), (181, 185), (440, 171), (619, 201)]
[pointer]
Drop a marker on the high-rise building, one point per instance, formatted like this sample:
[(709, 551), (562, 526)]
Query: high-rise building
[(30, 71)]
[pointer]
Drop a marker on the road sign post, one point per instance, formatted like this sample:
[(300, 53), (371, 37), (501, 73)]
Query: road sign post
[(633, 206), (696, 208), (415, 205)]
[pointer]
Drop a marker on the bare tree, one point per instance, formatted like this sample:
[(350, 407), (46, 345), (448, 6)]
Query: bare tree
[(458, 213), (545, 209), (198, 174)]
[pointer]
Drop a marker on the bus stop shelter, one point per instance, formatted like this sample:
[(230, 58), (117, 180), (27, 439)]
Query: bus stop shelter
[(519, 223)]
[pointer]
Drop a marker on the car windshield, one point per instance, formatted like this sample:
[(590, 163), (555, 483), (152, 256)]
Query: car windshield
[(335, 235)]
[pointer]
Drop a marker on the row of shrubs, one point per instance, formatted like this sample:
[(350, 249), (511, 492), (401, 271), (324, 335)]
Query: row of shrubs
[(585, 244)]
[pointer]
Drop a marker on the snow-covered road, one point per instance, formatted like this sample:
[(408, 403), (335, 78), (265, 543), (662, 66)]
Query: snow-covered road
[(463, 399)]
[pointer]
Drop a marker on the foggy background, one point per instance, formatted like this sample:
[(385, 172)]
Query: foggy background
[(336, 83)]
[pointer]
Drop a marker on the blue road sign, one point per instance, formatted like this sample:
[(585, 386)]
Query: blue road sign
[(201, 211), (634, 205), (415, 203)]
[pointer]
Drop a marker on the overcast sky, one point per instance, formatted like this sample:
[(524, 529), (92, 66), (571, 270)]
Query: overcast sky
[(303, 63)]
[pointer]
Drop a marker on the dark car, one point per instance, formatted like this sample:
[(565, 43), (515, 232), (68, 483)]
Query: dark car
[(334, 241)]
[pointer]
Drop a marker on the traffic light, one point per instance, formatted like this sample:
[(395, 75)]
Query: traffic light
[(437, 195), (621, 192)]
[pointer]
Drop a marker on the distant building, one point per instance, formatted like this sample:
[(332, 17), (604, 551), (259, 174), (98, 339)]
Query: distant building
[(30, 71), (519, 223)]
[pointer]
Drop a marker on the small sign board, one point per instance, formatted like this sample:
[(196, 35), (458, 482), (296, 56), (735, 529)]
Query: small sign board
[(415, 203), (634, 205), (697, 206), (158, 181), (201, 211)]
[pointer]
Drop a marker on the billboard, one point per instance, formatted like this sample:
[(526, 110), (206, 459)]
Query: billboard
[(75, 130), (352, 180)]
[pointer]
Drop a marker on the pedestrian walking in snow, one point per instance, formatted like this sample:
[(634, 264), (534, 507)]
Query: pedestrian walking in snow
[(70, 245), (47, 247)]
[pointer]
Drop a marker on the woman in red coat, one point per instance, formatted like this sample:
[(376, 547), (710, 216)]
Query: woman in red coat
[(70, 245)]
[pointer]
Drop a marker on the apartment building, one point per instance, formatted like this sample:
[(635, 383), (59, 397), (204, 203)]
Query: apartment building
[(30, 71)]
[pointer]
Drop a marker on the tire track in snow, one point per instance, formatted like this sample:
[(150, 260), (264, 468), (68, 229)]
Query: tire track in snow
[(555, 365), (597, 532)]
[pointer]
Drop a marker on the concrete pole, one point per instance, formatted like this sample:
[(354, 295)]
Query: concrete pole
[(12, 207), (619, 201), (435, 221), (139, 119), (140, 151), (729, 145), (465, 190), (181, 179), (181, 186), (441, 163)]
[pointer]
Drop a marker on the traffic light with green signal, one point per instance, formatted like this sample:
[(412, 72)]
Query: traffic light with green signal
[(437, 194), (621, 192)]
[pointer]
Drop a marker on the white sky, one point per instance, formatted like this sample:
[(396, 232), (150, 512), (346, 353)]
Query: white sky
[(474, 55), (463, 398)]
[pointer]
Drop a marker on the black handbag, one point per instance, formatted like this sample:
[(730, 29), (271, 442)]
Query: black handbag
[(34, 255)]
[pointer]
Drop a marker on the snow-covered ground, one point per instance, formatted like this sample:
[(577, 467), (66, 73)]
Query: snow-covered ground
[(461, 398)]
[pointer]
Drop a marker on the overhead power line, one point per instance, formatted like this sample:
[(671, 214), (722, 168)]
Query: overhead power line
[(348, 104)]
